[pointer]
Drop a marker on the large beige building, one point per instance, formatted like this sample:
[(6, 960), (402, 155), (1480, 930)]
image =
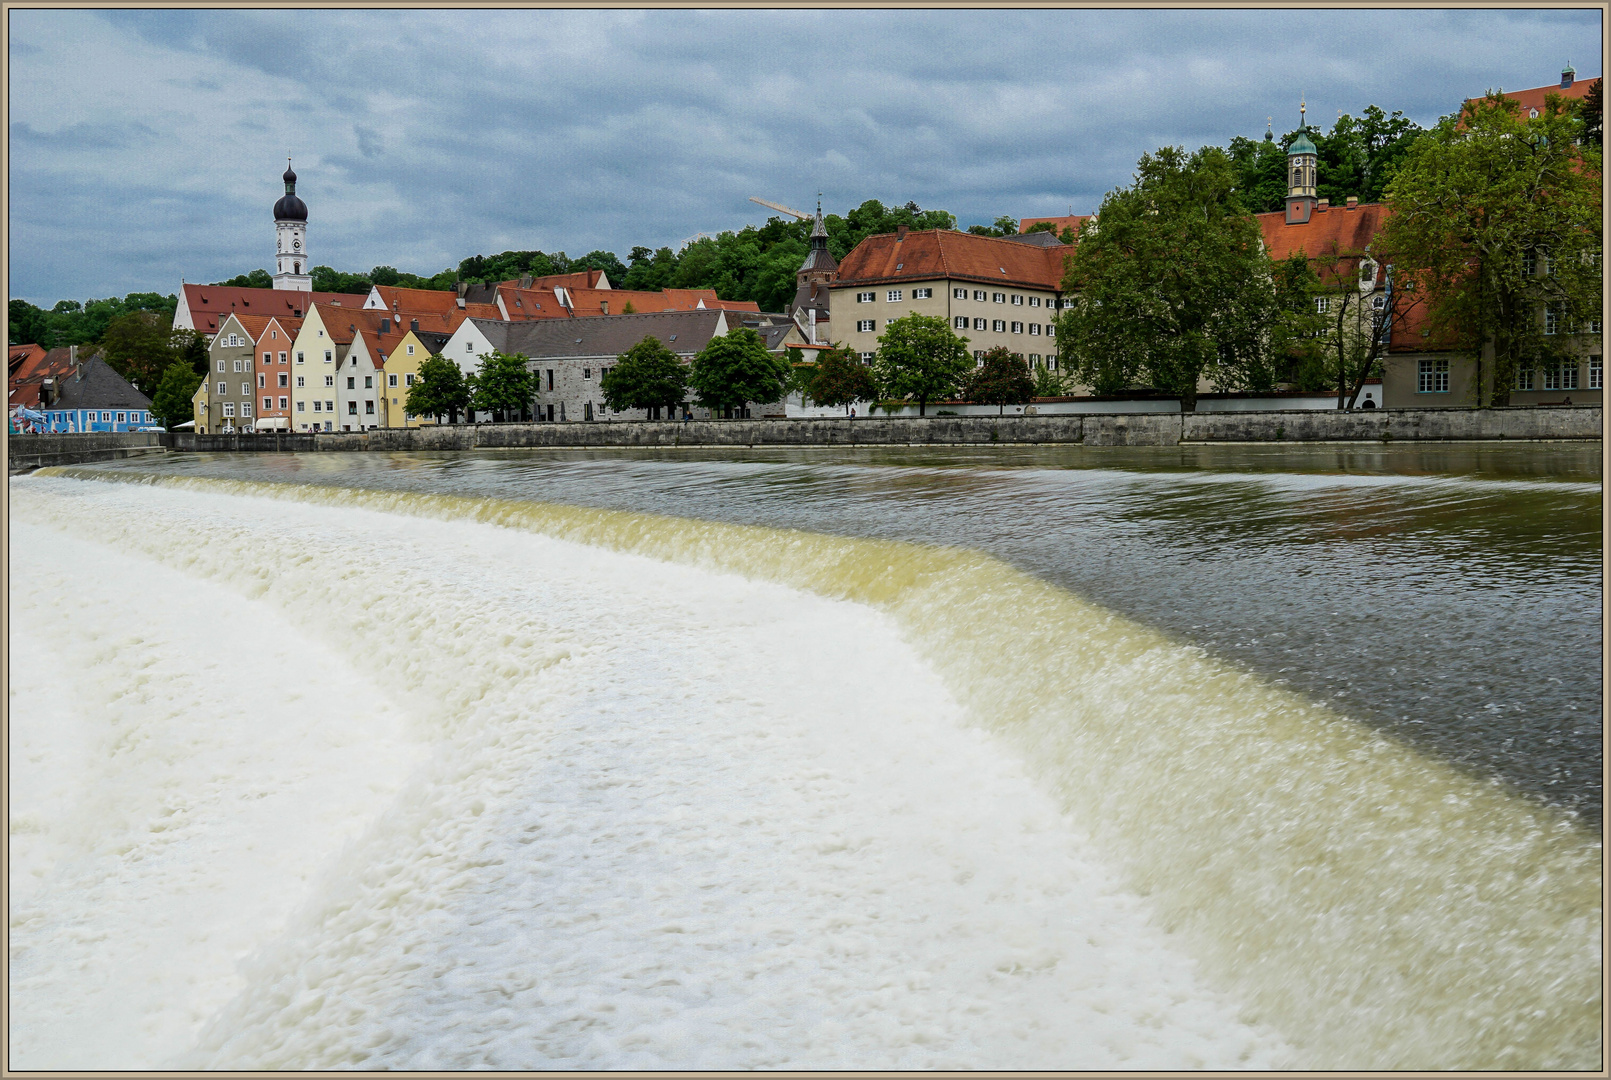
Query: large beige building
[(991, 290)]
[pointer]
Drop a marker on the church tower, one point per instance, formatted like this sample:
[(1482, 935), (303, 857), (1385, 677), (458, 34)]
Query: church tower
[(810, 307), (1301, 176), (291, 238)]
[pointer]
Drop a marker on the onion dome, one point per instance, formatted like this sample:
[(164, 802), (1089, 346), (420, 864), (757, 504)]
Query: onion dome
[(1301, 145), (290, 208)]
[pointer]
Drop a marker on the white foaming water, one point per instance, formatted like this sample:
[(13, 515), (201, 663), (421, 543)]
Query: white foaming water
[(336, 788)]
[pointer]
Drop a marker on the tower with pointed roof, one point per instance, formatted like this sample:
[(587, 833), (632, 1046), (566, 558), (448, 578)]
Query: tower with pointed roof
[(816, 273), (291, 238), (1301, 174)]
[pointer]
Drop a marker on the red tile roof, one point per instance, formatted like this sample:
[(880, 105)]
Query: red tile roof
[(209, 304), (23, 385), (417, 302), (1336, 228), (944, 253), (1534, 98)]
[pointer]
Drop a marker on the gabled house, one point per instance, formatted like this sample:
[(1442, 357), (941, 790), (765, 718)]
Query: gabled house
[(402, 367), (233, 371), (93, 397), (273, 352)]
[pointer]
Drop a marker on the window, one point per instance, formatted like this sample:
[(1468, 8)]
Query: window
[(1018, 328), (246, 408), (300, 357), (262, 380), (587, 373), (220, 363), (1018, 299), (1034, 329), (283, 379), (352, 408), (960, 322), (330, 380), (236, 364), (468, 347), (411, 350), (282, 403), (1561, 375), (1378, 302), (1592, 326), (328, 356), (922, 294), (267, 358), (391, 380), (223, 388), (892, 296), (1524, 380), (282, 358), (999, 326), (864, 326), (369, 382), (1432, 377), (329, 406), (999, 298), (229, 408), (369, 408), (268, 403), (865, 297), (550, 378), (316, 405), (122, 418), (301, 406), (300, 382), (959, 294), (980, 294), (408, 379), (1553, 321), (1034, 359), (867, 357), (350, 382), (1322, 304), (1596, 374), (246, 389), (1051, 329), (1034, 301), (981, 324)]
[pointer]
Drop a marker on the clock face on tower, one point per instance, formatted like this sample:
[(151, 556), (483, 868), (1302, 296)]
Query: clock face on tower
[(296, 244)]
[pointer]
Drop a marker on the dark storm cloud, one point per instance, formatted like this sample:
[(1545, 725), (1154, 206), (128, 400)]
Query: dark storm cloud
[(425, 136)]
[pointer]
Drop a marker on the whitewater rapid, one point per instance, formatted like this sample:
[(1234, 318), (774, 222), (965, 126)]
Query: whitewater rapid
[(300, 785)]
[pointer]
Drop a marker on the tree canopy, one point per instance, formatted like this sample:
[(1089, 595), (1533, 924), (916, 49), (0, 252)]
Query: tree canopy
[(1497, 224), (142, 345), (839, 379), (172, 400), (921, 360), (1172, 287), (502, 386), (646, 376), (736, 368), (72, 323), (1357, 157), (439, 390), (1001, 379)]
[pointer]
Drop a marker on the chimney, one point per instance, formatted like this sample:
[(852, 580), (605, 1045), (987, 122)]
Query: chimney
[(1353, 201), (47, 393), (72, 355), (900, 233), (1567, 75), (463, 287), (413, 324), (1323, 205)]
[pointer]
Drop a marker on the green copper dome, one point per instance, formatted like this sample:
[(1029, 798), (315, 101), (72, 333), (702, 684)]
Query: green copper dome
[(1301, 145)]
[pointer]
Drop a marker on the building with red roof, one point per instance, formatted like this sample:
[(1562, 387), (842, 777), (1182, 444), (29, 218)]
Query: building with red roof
[(1532, 101)]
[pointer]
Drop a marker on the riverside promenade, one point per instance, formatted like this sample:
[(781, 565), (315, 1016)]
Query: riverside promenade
[(1575, 422)]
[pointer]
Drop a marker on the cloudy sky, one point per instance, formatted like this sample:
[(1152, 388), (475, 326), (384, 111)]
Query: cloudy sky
[(148, 146)]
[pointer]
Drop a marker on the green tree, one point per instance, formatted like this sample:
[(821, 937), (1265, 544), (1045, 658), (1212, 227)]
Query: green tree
[(172, 401), (1496, 225), (736, 368), (141, 346), (1002, 226), (1173, 287), (1592, 115), (920, 359), (328, 280), (25, 324), (256, 279), (646, 376), (439, 389), (840, 379), (1002, 379), (502, 386)]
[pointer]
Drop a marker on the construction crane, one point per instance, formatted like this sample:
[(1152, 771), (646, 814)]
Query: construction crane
[(779, 206)]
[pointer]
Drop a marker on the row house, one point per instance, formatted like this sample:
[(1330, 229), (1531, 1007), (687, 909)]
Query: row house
[(337, 370), (570, 358), (91, 397), (232, 373)]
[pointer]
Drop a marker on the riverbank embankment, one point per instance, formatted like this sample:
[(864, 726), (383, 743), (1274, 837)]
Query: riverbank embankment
[(1578, 422)]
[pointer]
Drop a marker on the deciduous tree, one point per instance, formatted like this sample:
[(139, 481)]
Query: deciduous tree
[(736, 368), (920, 359), (502, 386), (439, 390), (1497, 224), (1172, 286), (646, 376), (841, 379), (172, 401), (1002, 379)]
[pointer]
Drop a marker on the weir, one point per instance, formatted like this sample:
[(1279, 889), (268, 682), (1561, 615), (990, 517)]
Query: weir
[(1376, 906)]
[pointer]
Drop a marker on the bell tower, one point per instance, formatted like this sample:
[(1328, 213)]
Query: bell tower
[(291, 238), (1301, 175)]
